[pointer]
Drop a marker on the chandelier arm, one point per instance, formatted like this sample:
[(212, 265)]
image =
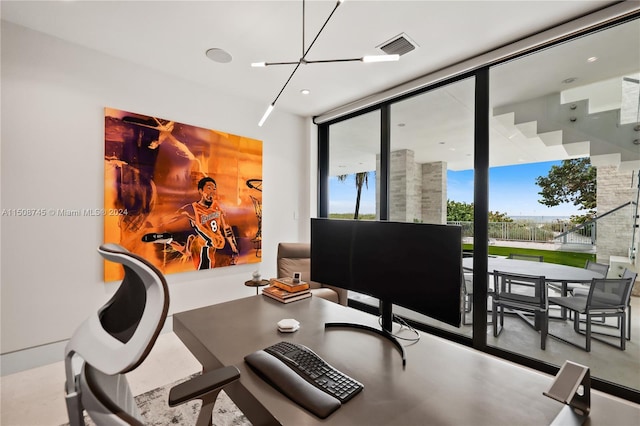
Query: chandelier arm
[(266, 64), (302, 59), (286, 83), (324, 61), (305, 53), (321, 28)]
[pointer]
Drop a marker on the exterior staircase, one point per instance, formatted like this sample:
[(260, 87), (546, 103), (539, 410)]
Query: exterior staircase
[(599, 120)]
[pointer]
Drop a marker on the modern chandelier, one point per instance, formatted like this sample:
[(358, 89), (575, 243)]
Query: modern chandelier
[(303, 59)]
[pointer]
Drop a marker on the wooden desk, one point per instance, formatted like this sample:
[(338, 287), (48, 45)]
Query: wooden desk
[(444, 383)]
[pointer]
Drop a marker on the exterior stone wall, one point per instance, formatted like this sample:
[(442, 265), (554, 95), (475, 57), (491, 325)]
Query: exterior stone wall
[(417, 192), (434, 192), (615, 231), (403, 185)]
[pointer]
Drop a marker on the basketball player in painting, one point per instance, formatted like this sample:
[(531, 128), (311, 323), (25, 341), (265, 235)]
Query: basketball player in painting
[(211, 229)]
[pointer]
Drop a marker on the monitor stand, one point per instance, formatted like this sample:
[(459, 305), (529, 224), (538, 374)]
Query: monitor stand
[(385, 331)]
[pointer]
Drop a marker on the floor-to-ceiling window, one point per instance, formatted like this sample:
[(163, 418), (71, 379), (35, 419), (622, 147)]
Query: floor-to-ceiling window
[(555, 115), (537, 119), (431, 165), (354, 158)]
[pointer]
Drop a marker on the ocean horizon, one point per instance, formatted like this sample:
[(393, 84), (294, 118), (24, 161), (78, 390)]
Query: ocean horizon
[(541, 218), (534, 218)]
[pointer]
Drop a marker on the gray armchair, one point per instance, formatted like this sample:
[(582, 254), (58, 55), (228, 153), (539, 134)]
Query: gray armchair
[(529, 257), (520, 303), (607, 297), (296, 257)]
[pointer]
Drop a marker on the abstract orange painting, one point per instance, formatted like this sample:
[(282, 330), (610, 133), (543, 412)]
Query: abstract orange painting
[(183, 197)]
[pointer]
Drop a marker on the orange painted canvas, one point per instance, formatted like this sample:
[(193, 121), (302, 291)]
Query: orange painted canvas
[(185, 198)]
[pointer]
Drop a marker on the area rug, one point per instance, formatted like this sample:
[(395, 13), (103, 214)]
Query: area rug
[(156, 412)]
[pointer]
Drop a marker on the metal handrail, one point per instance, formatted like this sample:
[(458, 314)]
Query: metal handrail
[(594, 220)]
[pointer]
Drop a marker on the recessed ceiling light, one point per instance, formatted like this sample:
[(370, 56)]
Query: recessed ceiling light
[(592, 59), (569, 80), (305, 91), (218, 55)]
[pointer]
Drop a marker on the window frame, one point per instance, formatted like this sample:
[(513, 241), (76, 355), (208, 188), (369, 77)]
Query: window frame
[(481, 73)]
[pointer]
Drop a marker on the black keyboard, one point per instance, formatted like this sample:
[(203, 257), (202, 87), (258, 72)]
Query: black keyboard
[(303, 376)]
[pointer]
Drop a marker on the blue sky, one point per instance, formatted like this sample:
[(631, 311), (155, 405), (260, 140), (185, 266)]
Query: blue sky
[(512, 190)]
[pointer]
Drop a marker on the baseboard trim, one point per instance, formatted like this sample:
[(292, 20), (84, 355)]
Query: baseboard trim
[(50, 353)]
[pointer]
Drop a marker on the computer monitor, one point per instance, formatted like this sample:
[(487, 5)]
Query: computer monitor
[(414, 265)]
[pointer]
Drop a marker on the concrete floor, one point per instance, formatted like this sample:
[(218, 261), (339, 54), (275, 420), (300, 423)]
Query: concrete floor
[(606, 362)]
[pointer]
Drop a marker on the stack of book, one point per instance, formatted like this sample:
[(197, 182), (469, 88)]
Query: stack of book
[(285, 290)]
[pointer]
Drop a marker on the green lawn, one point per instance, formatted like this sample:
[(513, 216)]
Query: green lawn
[(551, 256)]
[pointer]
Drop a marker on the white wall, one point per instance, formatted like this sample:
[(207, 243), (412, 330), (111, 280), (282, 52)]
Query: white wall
[(51, 153)]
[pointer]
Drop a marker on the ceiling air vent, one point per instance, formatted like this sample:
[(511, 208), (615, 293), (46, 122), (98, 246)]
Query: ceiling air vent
[(398, 45)]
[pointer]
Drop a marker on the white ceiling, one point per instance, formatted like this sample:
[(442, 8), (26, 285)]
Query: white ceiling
[(172, 36)]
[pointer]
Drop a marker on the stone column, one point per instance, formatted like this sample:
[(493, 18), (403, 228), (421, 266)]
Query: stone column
[(404, 187), (615, 231), (434, 192), (418, 192)]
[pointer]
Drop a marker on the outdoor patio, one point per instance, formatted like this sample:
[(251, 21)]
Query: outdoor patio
[(606, 362)]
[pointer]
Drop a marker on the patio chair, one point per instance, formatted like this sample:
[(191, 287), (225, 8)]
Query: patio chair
[(608, 297), (530, 257), (584, 292), (509, 294), (601, 268), (467, 296)]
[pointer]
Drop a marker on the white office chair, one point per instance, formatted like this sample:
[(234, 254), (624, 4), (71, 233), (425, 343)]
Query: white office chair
[(116, 339)]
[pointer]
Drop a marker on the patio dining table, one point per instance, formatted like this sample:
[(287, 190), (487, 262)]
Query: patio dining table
[(553, 272)]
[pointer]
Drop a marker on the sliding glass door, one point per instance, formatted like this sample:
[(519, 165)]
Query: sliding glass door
[(354, 159), (564, 174), (431, 168)]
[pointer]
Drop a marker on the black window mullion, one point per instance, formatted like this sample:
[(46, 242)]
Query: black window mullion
[(385, 153), (323, 170), (481, 208)]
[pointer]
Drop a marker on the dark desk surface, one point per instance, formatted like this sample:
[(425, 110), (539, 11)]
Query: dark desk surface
[(444, 383)]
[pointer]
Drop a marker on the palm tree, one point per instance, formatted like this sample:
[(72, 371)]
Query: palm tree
[(362, 178)]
